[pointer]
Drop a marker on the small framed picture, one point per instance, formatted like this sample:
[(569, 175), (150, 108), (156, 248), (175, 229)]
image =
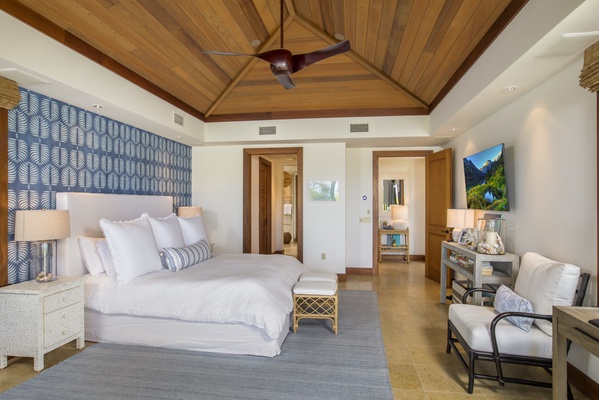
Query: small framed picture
[(383, 224), (464, 237)]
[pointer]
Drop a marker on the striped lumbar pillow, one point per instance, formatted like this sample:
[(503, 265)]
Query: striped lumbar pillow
[(179, 258)]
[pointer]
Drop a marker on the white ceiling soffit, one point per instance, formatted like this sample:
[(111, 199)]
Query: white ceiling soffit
[(559, 32)]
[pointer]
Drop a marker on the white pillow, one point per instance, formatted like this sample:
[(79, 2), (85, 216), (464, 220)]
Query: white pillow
[(193, 229), (133, 248), (90, 254), (546, 283), (167, 231), (106, 257)]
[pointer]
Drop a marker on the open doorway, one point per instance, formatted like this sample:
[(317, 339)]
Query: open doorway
[(279, 221), (377, 203)]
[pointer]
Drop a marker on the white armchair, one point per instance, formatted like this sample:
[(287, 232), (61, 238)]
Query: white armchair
[(492, 334)]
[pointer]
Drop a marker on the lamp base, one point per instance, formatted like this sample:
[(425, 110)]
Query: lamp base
[(455, 234), (44, 267)]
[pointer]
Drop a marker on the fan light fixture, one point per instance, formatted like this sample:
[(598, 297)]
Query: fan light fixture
[(283, 63)]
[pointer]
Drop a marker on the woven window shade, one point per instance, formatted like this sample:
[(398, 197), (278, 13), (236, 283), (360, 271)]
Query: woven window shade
[(9, 93), (589, 76)]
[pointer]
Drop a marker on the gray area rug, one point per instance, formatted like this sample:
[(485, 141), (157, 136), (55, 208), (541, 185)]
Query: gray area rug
[(314, 364)]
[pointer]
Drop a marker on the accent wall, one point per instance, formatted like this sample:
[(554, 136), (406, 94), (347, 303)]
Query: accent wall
[(57, 147)]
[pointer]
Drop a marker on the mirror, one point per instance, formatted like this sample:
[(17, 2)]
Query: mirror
[(393, 193)]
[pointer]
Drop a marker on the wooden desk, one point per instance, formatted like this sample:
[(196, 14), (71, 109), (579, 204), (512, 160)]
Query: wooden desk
[(571, 323)]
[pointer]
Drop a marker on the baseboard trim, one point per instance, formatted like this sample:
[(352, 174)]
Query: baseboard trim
[(358, 271), (586, 385)]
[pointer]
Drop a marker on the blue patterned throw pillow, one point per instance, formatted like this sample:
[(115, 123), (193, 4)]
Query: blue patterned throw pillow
[(507, 300), (180, 258)]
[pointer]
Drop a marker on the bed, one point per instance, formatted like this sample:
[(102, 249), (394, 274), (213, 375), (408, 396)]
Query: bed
[(229, 303)]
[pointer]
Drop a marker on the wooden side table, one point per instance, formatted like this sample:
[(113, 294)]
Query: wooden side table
[(571, 323), (40, 317), (400, 249)]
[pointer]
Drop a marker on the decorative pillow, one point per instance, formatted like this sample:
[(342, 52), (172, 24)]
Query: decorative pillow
[(546, 283), (90, 254), (133, 248), (183, 257), (193, 229), (106, 257), (167, 231), (506, 300)]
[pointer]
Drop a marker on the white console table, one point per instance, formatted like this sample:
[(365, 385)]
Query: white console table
[(505, 268)]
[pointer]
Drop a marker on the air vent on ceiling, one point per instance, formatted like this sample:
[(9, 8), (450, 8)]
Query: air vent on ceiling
[(178, 119), (358, 128), (268, 130)]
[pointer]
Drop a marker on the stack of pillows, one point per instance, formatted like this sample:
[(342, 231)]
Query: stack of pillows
[(133, 248)]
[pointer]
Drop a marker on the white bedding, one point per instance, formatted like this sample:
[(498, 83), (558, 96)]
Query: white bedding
[(229, 288)]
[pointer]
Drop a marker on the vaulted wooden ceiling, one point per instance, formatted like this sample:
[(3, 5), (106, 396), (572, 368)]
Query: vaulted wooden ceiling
[(405, 54)]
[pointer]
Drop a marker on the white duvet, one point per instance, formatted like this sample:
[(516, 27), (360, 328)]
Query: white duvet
[(229, 288)]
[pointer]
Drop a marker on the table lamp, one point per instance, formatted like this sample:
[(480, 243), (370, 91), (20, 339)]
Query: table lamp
[(42, 228), (458, 220), (189, 211), (399, 216)]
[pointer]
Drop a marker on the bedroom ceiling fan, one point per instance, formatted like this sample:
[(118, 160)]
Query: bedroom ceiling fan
[(283, 63)]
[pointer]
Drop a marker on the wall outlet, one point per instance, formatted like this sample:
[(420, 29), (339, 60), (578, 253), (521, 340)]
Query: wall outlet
[(323, 256), (364, 220)]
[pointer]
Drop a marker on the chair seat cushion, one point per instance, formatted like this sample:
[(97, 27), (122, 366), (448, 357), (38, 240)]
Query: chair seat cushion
[(474, 325)]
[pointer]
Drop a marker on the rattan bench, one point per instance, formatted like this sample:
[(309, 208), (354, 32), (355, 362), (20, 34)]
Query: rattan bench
[(315, 299)]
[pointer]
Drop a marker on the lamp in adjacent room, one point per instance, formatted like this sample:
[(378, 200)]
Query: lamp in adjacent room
[(399, 217), (458, 220), (42, 228), (189, 211)]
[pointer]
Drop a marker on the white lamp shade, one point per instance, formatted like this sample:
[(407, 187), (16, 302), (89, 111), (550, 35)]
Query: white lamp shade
[(399, 212), (189, 211), (460, 218), (40, 225)]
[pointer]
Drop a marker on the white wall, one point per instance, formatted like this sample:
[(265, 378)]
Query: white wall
[(217, 185), (551, 153), (359, 184)]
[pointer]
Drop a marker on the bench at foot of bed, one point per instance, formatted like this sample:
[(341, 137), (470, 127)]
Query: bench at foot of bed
[(315, 299)]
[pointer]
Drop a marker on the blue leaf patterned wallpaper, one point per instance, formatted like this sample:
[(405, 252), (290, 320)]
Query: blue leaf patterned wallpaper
[(56, 147)]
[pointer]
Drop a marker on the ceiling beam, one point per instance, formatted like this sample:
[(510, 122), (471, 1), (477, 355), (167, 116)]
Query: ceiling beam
[(362, 62)]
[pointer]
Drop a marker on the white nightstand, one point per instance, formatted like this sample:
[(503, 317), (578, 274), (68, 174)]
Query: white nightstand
[(37, 318)]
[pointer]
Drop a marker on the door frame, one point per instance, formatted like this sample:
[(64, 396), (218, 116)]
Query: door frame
[(376, 155), (265, 209), (247, 197)]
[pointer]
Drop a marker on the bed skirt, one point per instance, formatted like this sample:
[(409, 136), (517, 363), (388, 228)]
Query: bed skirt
[(186, 335)]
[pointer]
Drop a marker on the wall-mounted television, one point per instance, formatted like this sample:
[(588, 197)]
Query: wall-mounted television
[(485, 180)]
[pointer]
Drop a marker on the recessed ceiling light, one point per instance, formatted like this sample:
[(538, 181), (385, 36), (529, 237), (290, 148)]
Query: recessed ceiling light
[(255, 43), (179, 137), (339, 36), (454, 129), (509, 89), (97, 106)]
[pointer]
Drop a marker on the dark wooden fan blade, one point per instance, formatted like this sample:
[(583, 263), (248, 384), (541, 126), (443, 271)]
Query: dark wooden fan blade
[(284, 79), (224, 53), (301, 61), (280, 58)]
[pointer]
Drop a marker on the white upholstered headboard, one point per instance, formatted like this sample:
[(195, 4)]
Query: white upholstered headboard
[(87, 209)]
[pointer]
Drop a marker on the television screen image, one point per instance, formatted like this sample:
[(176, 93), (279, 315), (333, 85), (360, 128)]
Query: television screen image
[(485, 180)]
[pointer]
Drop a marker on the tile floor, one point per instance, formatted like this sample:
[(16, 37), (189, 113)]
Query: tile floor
[(414, 326), (414, 332)]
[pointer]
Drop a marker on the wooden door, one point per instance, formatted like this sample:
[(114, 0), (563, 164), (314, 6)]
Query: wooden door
[(265, 206), (438, 200)]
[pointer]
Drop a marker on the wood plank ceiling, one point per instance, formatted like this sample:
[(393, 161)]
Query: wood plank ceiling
[(406, 54)]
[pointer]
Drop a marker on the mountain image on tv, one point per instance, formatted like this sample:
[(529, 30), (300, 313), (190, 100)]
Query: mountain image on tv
[(485, 180)]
